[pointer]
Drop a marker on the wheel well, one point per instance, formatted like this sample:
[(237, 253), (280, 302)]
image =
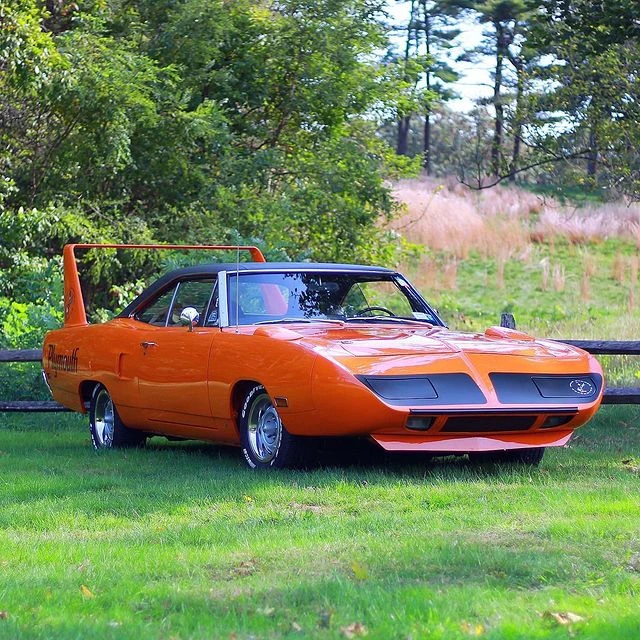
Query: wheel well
[(86, 391), (240, 390)]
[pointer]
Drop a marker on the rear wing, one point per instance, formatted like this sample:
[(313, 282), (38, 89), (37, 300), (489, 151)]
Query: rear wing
[(74, 311)]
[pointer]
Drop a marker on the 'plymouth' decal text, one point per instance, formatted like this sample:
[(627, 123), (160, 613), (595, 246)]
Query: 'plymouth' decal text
[(62, 361)]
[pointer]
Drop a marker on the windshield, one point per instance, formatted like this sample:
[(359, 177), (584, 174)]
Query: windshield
[(346, 297)]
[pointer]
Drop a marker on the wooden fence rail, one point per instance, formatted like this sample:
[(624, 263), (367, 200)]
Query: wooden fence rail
[(21, 355), (612, 395), (31, 406)]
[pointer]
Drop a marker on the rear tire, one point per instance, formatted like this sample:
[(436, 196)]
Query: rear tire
[(530, 457), (106, 429), (266, 444)]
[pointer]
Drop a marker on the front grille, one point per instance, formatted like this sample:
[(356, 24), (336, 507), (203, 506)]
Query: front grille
[(488, 424)]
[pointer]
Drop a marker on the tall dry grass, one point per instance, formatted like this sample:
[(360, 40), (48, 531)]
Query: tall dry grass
[(545, 266), (501, 222), (446, 216), (619, 268), (634, 268), (559, 278)]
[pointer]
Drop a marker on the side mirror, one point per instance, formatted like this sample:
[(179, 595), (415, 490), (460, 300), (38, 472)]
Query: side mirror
[(189, 317), (507, 320)]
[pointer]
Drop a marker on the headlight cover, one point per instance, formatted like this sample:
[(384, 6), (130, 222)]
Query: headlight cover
[(520, 388), (420, 390)]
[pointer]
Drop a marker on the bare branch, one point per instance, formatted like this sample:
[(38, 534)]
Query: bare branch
[(578, 155)]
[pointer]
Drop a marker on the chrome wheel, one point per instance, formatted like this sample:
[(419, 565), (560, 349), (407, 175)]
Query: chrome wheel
[(264, 429), (265, 441), (105, 426), (103, 419)]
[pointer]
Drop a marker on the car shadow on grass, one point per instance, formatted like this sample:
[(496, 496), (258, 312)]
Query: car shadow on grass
[(350, 458)]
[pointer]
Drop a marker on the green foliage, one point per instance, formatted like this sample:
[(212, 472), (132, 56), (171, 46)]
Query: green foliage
[(23, 326), (565, 106), (578, 194), (29, 56), (188, 123), (591, 81)]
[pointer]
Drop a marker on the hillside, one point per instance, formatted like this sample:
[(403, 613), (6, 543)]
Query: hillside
[(563, 271)]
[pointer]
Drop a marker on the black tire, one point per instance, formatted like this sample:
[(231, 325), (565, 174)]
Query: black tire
[(266, 444), (105, 426), (531, 457)]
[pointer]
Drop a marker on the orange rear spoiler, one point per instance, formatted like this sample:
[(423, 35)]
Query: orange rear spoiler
[(74, 311)]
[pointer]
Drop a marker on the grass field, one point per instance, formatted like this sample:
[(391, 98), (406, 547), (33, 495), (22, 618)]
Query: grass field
[(564, 271), (180, 540)]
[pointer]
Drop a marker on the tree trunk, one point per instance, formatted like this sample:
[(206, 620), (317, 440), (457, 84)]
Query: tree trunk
[(517, 124), (496, 147), (592, 162), (402, 145), (426, 142), (426, 155)]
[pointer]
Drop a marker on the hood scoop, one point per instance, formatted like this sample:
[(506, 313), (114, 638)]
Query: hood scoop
[(504, 332), (398, 345)]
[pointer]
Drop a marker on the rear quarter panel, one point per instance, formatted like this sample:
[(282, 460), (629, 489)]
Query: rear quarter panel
[(99, 353)]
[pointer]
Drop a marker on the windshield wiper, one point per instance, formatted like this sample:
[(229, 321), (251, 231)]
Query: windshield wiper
[(305, 320), (387, 319)]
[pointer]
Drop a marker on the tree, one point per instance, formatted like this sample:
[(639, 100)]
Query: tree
[(504, 18), (412, 66), (429, 36), (592, 85), (198, 121), (437, 20), (462, 143)]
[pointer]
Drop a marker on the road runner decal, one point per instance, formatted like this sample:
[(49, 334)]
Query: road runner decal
[(69, 303)]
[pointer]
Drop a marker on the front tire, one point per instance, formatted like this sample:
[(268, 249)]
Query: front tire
[(106, 429), (266, 444), (530, 457)]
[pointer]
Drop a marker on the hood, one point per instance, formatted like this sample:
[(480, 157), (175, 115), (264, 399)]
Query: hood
[(410, 339)]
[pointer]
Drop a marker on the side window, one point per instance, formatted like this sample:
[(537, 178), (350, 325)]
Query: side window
[(251, 297), (166, 308), (263, 298), (213, 310), (191, 293), (257, 301), (156, 312)]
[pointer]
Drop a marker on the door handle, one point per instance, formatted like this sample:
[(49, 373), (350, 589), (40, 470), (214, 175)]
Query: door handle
[(146, 345)]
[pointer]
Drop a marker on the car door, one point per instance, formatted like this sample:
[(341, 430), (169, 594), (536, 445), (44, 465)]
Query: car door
[(172, 372)]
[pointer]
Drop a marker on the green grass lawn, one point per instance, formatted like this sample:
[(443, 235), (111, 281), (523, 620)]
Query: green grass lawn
[(180, 540)]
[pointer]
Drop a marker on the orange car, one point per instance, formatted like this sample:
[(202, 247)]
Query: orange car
[(264, 355)]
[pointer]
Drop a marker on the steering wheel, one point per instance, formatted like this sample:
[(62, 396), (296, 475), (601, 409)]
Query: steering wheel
[(367, 310)]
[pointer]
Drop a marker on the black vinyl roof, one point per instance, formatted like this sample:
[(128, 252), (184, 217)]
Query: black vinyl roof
[(212, 269)]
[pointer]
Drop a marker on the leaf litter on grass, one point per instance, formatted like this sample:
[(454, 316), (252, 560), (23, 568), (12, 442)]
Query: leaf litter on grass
[(563, 618), (354, 630)]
